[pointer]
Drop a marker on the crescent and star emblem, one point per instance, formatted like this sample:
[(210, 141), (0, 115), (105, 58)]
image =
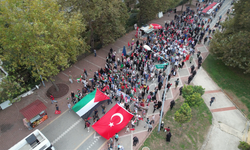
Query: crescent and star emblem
[(116, 114)]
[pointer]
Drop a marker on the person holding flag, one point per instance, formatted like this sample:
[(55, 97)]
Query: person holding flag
[(112, 122)]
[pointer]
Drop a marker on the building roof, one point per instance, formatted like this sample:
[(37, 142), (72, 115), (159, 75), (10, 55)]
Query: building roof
[(33, 109)]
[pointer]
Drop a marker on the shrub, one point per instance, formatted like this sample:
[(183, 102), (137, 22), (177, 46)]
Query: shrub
[(184, 114), (194, 100), (187, 91), (244, 146), (198, 89)]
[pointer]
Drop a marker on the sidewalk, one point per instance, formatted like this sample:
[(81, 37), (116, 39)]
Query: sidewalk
[(229, 125)]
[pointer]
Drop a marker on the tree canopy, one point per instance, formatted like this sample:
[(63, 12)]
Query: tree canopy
[(232, 44), (105, 19), (150, 8), (184, 114), (38, 36)]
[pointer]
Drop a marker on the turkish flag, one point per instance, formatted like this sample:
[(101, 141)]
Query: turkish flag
[(187, 58), (112, 122)]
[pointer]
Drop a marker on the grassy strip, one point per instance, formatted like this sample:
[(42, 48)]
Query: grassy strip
[(232, 80), (189, 137)]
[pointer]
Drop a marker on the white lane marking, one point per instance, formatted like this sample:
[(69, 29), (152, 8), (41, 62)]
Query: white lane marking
[(101, 57), (78, 68), (81, 69), (65, 74), (96, 137), (115, 46), (42, 98), (122, 41), (65, 132), (105, 50), (92, 63)]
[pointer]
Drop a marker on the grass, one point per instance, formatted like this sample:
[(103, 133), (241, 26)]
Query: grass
[(188, 137), (233, 81)]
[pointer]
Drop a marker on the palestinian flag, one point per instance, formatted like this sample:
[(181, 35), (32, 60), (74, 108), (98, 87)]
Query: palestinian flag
[(89, 103), (78, 80)]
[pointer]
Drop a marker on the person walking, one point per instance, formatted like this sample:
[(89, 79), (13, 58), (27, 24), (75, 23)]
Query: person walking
[(176, 82), (72, 95), (190, 79), (95, 52), (70, 78), (150, 127), (168, 136), (172, 103), (110, 144), (57, 108), (155, 107), (116, 137), (120, 147), (194, 73), (198, 54), (87, 125), (199, 65), (160, 85), (192, 68), (162, 125), (181, 90), (191, 58), (135, 140), (52, 99), (127, 129), (212, 100), (85, 72), (103, 109), (168, 86), (69, 106), (146, 122), (153, 119)]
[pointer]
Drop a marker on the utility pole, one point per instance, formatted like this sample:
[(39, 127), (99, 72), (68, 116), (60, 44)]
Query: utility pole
[(165, 91), (164, 96)]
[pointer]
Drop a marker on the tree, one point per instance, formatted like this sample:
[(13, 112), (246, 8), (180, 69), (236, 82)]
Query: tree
[(10, 88), (105, 19), (130, 3), (232, 44), (187, 91), (194, 100), (183, 115), (111, 24), (149, 9), (36, 35)]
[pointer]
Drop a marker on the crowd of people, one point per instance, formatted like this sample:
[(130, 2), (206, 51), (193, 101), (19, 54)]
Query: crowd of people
[(125, 79)]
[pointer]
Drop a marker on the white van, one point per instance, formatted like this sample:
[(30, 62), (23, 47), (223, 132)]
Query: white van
[(34, 141)]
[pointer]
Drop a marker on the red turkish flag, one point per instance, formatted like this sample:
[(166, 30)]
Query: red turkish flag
[(187, 58), (112, 122)]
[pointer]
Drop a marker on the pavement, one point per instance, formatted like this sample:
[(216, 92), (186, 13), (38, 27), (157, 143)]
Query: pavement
[(66, 131)]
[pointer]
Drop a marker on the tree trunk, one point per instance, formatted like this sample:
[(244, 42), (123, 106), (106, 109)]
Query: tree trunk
[(92, 44), (190, 1), (57, 89)]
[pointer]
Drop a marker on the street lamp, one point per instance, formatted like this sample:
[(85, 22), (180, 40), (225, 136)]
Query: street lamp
[(165, 90)]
